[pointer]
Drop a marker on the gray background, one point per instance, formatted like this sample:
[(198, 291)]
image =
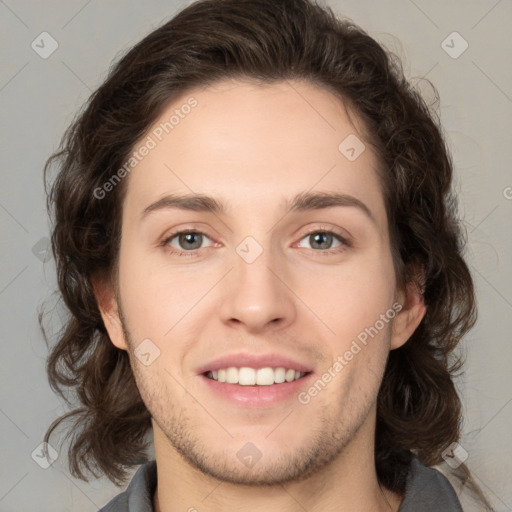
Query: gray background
[(38, 99)]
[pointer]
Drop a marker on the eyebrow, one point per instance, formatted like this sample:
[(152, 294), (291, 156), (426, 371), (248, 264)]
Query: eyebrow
[(304, 201)]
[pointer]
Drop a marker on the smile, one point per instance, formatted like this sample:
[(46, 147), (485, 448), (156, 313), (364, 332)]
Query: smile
[(246, 376)]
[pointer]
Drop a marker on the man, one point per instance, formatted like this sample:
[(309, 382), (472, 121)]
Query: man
[(258, 246)]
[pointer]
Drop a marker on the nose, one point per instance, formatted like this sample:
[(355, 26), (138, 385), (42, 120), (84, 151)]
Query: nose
[(258, 295)]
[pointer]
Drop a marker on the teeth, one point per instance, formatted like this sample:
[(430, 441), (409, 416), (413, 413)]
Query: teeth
[(246, 376), (279, 375), (231, 375)]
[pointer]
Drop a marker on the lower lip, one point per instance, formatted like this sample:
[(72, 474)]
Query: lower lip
[(257, 396)]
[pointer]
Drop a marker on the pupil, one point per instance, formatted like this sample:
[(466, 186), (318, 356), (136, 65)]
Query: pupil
[(316, 236), (188, 238)]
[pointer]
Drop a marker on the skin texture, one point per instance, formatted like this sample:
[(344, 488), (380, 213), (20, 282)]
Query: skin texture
[(253, 147)]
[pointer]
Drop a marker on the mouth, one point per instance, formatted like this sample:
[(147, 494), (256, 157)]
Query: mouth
[(247, 376)]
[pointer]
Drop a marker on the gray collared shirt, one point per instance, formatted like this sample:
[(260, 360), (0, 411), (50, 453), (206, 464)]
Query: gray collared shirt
[(427, 490)]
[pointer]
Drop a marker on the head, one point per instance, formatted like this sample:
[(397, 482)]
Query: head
[(249, 103)]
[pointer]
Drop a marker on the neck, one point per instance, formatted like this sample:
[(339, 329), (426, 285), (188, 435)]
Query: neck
[(348, 483)]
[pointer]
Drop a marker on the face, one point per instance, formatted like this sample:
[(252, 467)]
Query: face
[(266, 280)]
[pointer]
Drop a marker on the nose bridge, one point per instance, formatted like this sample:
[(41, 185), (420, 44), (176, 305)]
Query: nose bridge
[(255, 293)]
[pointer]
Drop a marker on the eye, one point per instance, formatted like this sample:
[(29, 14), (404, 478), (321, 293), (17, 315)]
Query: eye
[(322, 240), (185, 241), (189, 242)]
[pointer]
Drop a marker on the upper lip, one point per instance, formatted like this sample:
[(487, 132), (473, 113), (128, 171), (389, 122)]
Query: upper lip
[(254, 361)]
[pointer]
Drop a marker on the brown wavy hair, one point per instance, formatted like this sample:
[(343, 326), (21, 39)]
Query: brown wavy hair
[(266, 41)]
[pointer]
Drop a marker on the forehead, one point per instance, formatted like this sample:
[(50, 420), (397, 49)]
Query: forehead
[(244, 142)]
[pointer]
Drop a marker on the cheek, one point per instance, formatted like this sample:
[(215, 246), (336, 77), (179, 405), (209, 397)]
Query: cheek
[(358, 294), (157, 296), (349, 296)]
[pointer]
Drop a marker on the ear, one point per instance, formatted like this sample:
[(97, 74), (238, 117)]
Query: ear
[(107, 303), (409, 317)]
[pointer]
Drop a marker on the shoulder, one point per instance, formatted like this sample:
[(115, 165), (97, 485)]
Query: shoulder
[(138, 496), (428, 490)]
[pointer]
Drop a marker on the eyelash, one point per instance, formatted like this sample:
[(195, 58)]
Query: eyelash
[(345, 243)]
